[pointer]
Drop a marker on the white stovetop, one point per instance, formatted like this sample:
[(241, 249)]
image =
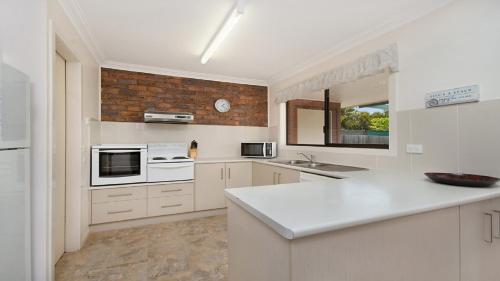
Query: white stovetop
[(307, 208)]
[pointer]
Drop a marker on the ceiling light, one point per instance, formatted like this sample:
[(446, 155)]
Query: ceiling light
[(226, 28)]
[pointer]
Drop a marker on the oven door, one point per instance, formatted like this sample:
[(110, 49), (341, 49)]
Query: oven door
[(174, 171), (118, 166), (257, 149)]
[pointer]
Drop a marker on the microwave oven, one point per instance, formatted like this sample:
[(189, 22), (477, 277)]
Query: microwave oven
[(258, 149), (118, 164)]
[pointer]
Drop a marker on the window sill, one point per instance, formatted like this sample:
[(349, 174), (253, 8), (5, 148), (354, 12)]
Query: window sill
[(341, 150)]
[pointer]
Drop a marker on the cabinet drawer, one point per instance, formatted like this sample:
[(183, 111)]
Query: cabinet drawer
[(170, 205), (174, 189), (119, 210), (118, 194)]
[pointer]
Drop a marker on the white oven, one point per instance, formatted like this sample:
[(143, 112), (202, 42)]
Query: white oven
[(169, 162), (118, 164)]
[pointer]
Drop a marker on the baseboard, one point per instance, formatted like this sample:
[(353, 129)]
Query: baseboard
[(155, 220), (84, 237)]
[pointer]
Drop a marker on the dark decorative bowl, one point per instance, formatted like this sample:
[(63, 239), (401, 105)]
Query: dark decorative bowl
[(462, 179)]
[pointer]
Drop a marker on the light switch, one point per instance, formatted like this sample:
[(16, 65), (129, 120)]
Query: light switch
[(414, 148)]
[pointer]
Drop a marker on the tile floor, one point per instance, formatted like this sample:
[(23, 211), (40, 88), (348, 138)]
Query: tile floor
[(185, 250)]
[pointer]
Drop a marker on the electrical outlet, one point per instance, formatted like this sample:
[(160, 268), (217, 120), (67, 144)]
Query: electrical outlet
[(414, 148)]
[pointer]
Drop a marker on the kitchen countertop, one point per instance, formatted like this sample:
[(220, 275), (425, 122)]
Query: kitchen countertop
[(302, 209), (222, 159)]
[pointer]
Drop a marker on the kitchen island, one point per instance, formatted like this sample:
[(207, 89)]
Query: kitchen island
[(369, 225)]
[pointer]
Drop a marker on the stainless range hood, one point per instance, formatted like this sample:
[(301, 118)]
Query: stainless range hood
[(168, 117)]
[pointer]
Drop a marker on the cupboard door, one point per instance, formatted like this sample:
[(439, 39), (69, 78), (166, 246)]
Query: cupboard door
[(172, 189), (263, 174), (284, 175), (119, 210), (119, 194), (159, 206), (210, 181), (239, 174), (480, 240)]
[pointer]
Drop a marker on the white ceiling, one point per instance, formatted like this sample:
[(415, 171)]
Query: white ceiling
[(272, 37)]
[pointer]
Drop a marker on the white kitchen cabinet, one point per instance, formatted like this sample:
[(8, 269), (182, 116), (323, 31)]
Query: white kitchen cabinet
[(264, 174), (480, 241), (283, 175), (212, 178), (169, 199), (119, 210), (239, 174), (117, 204), (134, 202), (210, 182)]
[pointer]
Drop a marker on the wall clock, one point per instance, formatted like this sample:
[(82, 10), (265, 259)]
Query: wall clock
[(222, 105)]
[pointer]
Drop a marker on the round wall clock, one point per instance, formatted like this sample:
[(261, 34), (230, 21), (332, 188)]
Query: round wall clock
[(222, 105)]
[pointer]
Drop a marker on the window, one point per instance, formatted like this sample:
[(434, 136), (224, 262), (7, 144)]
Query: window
[(351, 115)]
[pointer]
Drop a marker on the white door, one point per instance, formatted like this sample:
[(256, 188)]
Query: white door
[(14, 215), (59, 158)]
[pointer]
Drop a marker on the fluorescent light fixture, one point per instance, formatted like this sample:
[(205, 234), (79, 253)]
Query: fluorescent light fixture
[(226, 28)]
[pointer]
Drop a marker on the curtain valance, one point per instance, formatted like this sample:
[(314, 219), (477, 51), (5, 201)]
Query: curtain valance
[(374, 63)]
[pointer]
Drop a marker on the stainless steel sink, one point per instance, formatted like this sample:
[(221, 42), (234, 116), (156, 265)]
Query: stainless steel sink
[(292, 162), (320, 166)]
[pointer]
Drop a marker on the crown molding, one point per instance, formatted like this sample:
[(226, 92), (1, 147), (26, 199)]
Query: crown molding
[(349, 44), (75, 14), (181, 73)]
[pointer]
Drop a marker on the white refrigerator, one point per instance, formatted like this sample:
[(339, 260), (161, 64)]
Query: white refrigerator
[(15, 222)]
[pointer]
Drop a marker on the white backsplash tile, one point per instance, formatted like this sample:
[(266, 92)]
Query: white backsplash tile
[(213, 140), (435, 129), (455, 138), (479, 138)]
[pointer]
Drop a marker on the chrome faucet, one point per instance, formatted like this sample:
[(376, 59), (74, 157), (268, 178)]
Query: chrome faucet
[(310, 157)]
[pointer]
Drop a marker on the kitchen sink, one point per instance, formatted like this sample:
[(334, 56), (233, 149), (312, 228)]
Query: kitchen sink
[(292, 162), (320, 166)]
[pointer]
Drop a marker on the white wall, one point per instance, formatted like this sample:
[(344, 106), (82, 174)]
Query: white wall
[(70, 38), (24, 41), (454, 46), (213, 141), (23, 44)]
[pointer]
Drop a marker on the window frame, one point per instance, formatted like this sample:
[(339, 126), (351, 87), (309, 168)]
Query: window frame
[(326, 130)]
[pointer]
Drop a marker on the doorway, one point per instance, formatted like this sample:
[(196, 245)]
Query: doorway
[(59, 158)]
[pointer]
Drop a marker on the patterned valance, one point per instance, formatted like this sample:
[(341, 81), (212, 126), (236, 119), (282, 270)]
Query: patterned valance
[(372, 64)]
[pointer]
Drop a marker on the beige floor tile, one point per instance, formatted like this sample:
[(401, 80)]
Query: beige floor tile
[(184, 250)]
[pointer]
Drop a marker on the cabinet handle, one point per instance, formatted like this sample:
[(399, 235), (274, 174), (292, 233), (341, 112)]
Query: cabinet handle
[(119, 195), (170, 206), (496, 224), (221, 173), (171, 190), (229, 175), (488, 228), (120, 212)]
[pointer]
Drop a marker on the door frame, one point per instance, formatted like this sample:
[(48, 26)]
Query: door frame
[(74, 236)]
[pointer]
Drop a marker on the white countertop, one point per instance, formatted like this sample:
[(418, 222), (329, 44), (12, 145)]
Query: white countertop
[(307, 208), (222, 160)]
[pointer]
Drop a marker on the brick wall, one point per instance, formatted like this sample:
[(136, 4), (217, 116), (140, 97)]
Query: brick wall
[(292, 107), (126, 95)]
